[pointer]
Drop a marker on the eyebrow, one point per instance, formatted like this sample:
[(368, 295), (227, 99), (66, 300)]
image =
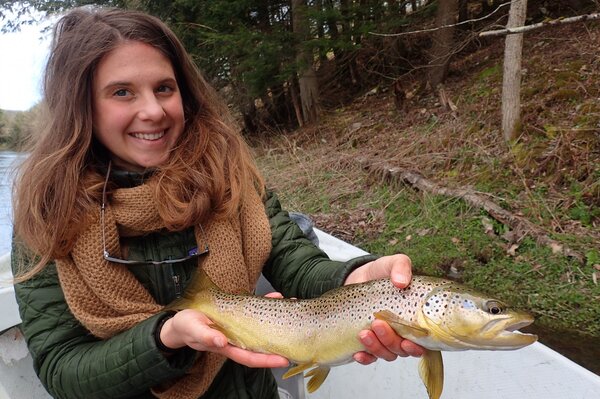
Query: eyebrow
[(126, 83), (116, 83)]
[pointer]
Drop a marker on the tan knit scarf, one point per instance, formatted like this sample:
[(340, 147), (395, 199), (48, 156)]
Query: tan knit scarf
[(106, 297)]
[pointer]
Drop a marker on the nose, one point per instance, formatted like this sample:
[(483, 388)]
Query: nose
[(150, 108)]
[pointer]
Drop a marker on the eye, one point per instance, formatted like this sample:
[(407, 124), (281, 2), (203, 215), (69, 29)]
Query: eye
[(164, 89), (120, 93), (494, 307)]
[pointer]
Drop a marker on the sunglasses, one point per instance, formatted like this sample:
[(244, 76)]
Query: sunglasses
[(192, 253)]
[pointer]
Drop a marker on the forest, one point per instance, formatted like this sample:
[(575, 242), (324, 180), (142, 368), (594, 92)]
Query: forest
[(418, 126), (280, 64)]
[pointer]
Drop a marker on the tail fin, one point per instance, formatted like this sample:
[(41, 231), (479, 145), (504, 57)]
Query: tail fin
[(200, 282)]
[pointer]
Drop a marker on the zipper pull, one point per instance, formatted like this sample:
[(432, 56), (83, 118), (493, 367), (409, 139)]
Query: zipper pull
[(177, 283)]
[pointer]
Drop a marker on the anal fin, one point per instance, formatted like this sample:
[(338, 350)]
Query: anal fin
[(431, 370), (317, 377)]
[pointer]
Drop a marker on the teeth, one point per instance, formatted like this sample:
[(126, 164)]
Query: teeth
[(148, 136)]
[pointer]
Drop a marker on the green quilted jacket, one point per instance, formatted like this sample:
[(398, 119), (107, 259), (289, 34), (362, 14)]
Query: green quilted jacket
[(71, 363)]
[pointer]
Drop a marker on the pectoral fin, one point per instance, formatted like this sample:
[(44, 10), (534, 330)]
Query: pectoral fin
[(300, 368), (317, 377), (431, 370), (400, 326), (200, 282)]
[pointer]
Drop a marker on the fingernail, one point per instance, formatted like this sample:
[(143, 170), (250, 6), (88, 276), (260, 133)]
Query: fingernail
[(219, 342), (403, 280)]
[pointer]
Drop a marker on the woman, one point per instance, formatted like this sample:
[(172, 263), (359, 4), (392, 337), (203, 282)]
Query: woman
[(136, 180)]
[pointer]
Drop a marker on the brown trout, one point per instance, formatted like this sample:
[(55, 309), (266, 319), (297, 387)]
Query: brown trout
[(319, 333)]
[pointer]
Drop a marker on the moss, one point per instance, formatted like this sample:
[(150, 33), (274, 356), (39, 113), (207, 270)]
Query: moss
[(565, 95), (491, 73)]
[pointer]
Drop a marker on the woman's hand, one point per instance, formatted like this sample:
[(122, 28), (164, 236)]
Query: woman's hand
[(192, 328), (381, 341)]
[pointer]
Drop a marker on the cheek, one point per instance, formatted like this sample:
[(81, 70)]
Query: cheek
[(110, 119), (176, 108), (109, 127), (175, 111)]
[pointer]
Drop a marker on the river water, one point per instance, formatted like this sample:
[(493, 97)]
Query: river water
[(8, 161)]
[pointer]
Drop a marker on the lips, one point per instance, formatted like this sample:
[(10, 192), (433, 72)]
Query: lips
[(148, 136)]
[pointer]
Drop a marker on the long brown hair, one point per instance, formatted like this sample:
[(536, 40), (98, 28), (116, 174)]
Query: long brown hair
[(59, 185)]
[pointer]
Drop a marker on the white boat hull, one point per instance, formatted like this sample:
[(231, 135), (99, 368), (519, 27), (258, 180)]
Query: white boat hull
[(534, 372)]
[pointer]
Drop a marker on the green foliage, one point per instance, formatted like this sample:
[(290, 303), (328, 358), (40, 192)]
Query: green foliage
[(251, 48), (494, 73), (2, 123), (584, 212), (16, 127), (592, 257), (14, 14)]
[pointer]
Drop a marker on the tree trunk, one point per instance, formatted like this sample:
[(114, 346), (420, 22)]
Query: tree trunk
[(463, 10), (331, 22), (296, 102), (511, 79), (413, 6), (307, 77), (443, 42)]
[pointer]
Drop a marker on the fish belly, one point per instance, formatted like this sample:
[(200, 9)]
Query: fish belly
[(286, 329)]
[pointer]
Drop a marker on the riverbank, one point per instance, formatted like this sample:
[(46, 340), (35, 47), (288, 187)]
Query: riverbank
[(550, 176)]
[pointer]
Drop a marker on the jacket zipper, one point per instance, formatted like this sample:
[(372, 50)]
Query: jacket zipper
[(177, 282)]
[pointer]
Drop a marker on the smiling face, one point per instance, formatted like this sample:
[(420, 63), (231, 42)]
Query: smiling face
[(137, 108)]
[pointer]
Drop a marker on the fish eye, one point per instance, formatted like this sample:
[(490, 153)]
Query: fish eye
[(494, 307)]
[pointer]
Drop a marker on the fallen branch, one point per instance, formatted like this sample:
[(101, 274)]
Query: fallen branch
[(527, 28), (518, 224)]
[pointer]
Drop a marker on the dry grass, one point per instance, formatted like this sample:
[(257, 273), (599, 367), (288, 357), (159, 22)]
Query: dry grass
[(551, 174)]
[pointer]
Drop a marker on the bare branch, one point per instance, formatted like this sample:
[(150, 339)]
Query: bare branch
[(440, 27), (527, 28)]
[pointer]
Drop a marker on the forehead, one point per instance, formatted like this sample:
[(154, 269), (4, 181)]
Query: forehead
[(133, 60)]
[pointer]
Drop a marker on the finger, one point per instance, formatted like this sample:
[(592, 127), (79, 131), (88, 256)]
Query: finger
[(374, 346), (253, 359), (364, 358), (401, 272), (412, 349), (276, 295), (388, 337), (394, 343), (205, 338)]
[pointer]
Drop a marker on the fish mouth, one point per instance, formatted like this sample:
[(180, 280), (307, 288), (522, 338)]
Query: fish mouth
[(506, 334), (520, 324)]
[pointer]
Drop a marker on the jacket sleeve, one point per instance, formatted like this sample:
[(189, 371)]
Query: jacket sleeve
[(72, 363), (296, 267)]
